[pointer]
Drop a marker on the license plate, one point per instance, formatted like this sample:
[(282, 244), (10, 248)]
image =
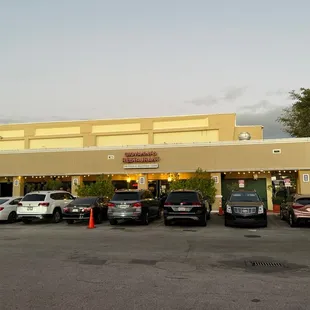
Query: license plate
[(123, 206), (30, 209), (245, 211), (75, 210), (182, 209)]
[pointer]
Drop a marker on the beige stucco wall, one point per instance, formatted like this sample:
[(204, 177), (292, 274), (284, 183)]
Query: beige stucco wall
[(136, 131)]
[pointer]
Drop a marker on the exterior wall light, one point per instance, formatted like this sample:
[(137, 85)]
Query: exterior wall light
[(128, 180), (169, 179), (255, 176)]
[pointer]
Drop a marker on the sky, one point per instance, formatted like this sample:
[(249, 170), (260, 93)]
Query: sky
[(98, 59)]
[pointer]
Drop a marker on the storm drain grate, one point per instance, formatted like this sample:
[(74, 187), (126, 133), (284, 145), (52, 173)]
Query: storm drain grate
[(252, 236), (264, 264)]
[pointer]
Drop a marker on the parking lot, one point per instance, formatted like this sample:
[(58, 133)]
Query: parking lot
[(60, 266)]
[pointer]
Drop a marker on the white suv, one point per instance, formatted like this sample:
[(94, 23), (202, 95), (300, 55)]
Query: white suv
[(43, 205)]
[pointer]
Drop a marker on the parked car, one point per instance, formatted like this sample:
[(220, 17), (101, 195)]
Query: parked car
[(186, 205), (79, 209), (138, 205), (245, 208), (296, 209), (43, 205), (8, 206)]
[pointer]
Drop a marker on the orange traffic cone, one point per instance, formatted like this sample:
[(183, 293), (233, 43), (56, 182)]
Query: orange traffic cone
[(220, 211), (91, 223)]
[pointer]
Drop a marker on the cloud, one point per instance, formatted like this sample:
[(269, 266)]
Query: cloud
[(260, 107), (234, 93), (268, 119), (208, 101), (231, 95), (278, 92)]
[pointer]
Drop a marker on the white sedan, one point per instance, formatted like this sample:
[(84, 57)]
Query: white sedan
[(8, 206)]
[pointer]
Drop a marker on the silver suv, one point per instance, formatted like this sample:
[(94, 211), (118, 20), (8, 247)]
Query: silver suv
[(138, 205), (43, 205)]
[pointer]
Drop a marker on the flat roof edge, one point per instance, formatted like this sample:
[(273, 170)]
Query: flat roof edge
[(161, 146), (115, 119)]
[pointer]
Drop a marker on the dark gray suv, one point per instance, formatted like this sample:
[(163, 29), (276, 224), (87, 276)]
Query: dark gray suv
[(138, 205), (186, 205)]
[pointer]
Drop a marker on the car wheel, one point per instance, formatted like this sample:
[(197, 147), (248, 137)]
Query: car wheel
[(281, 215), (26, 221), (12, 217), (167, 223), (265, 224), (56, 216), (292, 220), (203, 222), (69, 222), (159, 214), (113, 222), (99, 218), (145, 219)]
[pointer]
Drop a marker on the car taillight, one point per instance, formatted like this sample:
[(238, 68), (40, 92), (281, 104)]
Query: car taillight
[(111, 205), (196, 204), (167, 204), (297, 206), (44, 204), (20, 204), (137, 205), (86, 209), (66, 210), (1, 208)]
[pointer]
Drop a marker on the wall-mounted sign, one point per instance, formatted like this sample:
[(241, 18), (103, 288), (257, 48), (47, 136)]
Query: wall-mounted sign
[(141, 166), (141, 180), (75, 181), (241, 183), (141, 157), (305, 178), (216, 179), (16, 182)]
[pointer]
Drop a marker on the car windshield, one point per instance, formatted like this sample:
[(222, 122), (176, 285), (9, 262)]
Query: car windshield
[(85, 201), (2, 201), (304, 201), (125, 196), (244, 197), (178, 197), (34, 197)]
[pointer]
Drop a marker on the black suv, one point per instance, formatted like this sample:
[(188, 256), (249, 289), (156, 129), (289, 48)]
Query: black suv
[(245, 207), (186, 205), (138, 205)]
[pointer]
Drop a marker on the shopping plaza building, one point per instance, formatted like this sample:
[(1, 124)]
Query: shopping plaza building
[(144, 152)]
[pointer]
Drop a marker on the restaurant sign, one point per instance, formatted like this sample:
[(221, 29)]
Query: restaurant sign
[(141, 160)]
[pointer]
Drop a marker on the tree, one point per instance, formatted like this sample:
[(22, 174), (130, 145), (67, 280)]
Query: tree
[(295, 119), (103, 187), (200, 181), (52, 185)]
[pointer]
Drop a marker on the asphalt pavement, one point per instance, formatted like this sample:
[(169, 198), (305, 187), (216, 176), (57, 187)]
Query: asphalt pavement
[(60, 266)]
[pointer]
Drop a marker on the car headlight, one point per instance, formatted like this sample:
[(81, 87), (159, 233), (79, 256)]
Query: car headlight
[(228, 209), (260, 209)]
